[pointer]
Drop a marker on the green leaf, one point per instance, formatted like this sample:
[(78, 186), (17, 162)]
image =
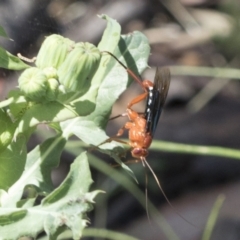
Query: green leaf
[(91, 134), (82, 105), (76, 198), (26, 203), (17, 103), (7, 128), (79, 173), (86, 130), (9, 61), (12, 162), (65, 207), (10, 217), (39, 164), (44, 113), (111, 34), (3, 33), (108, 42), (133, 50), (212, 219)]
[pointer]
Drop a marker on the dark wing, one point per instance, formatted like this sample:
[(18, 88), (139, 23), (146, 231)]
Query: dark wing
[(156, 98)]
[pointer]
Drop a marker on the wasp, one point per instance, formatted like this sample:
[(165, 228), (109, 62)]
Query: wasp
[(142, 126)]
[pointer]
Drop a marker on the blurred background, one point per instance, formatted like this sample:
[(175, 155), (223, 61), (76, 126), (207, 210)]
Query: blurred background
[(184, 35)]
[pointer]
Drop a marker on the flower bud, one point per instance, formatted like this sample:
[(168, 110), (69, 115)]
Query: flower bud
[(77, 70), (50, 72), (33, 84), (53, 51), (52, 90)]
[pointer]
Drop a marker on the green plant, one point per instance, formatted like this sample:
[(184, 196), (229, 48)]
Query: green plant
[(71, 89), (71, 103)]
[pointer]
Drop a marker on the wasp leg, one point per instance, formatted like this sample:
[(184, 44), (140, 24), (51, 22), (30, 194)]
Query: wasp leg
[(108, 141), (114, 139), (137, 99), (119, 133), (120, 115)]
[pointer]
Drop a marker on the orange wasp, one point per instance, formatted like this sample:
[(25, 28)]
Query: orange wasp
[(141, 127)]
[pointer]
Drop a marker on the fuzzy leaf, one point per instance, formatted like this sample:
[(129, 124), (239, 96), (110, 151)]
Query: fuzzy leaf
[(12, 162), (9, 61), (108, 42), (91, 134), (133, 50), (65, 207), (2, 32), (17, 103), (7, 128), (39, 164), (44, 113)]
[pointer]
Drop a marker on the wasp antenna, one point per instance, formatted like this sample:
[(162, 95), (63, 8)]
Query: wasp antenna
[(146, 194), (115, 59), (165, 196), (131, 73)]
